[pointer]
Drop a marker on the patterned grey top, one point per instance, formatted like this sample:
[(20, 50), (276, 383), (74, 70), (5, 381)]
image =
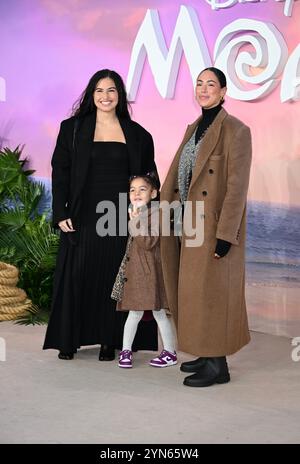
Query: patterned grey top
[(186, 165)]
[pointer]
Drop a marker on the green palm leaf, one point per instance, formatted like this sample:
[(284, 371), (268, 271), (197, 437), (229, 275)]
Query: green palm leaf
[(27, 239), (13, 218)]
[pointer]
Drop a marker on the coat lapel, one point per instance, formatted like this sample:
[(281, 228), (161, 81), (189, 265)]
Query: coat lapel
[(132, 146), (82, 151), (208, 143), (171, 180)]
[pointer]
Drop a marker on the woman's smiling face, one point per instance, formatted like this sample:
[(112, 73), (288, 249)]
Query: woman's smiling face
[(208, 90)]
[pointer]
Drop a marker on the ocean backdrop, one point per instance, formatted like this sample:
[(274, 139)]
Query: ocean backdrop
[(273, 242), (273, 245), (272, 266)]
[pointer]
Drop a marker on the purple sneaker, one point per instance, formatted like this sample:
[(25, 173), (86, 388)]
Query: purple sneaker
[(125, 359), (165, 359)]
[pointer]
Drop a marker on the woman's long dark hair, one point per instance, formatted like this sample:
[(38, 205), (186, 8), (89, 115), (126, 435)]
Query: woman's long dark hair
[(85, 104)]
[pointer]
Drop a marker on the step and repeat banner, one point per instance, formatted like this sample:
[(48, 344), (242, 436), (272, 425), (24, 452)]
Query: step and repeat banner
[(50, 49)]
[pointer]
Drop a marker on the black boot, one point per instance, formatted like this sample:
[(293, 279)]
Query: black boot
[(66, 356), (107, 353), (214, 370), (192, 366)]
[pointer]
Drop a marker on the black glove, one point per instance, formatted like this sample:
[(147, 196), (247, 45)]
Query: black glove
[(222, 247)]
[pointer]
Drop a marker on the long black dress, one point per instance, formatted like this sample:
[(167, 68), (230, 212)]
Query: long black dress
[(83, 312)]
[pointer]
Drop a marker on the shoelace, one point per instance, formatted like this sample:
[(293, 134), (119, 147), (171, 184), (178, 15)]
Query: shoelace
[(163, 354), (125, 355)]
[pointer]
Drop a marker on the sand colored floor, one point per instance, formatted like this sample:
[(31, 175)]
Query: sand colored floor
[(46, 400)]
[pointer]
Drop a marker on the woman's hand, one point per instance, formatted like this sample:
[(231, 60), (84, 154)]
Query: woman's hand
[(222, 248), (66, 225)]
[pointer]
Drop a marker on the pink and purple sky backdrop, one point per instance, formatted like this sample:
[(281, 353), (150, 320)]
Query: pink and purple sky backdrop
[(49, 50)]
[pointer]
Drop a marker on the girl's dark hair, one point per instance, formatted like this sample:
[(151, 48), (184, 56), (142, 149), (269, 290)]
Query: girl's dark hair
[(85, 104), (150, 177), (219, 75)]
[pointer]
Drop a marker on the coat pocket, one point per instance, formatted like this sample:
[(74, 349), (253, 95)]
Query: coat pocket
[(219, 157)]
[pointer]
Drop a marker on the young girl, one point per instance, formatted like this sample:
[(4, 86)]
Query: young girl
[(139, 285)]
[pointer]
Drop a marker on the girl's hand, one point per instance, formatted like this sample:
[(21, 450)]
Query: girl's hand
[(134, 211), (66, 225)]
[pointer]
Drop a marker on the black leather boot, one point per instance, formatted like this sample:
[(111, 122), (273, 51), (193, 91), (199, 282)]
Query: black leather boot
[(66, 356), (214, 370), (192, 366), (107, 353)]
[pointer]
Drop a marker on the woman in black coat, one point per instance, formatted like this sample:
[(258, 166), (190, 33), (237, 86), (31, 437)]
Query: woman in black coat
[(97, 149)]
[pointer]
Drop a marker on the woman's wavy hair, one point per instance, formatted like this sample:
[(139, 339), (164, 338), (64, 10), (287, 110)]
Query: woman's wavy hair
[(85, 103)]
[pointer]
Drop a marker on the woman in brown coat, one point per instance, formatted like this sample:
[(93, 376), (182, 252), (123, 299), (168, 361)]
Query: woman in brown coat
[(140, 277), (205, 283)]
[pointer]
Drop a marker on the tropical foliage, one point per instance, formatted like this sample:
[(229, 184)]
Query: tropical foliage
[(27, 239)]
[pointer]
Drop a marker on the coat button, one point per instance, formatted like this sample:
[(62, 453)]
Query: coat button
[(204, 193), (211, 171), (125, 279), (128, 259), (176, 190)]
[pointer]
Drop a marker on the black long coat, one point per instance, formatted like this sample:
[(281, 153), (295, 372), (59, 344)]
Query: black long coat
[(70, 164)]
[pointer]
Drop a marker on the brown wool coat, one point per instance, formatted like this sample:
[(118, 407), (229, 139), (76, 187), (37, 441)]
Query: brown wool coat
[(206, 295), (143, 287)]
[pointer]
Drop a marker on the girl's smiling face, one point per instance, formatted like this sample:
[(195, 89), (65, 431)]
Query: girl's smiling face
[(140, 192)]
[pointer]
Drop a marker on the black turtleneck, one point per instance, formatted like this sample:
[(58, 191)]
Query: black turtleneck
[(208, 115)]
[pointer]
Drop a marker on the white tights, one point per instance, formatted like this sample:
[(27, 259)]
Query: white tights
[(164, 326)]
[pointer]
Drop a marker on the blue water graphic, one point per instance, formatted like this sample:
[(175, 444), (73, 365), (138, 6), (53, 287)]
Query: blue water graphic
[(273, 242)]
